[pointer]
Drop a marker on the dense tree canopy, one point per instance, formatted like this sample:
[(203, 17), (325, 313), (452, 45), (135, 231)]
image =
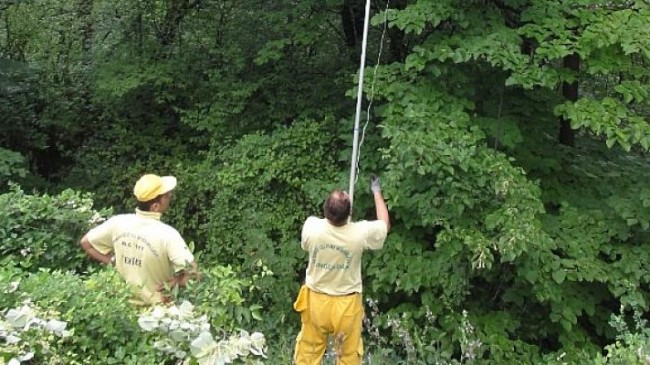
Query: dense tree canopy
[(511, 136)]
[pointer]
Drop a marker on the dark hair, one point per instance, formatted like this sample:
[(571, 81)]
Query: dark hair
[(337, 207), (146, 206)]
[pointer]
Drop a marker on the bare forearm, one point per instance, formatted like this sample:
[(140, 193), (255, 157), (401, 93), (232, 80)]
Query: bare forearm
[(381, 209), (93, 253)]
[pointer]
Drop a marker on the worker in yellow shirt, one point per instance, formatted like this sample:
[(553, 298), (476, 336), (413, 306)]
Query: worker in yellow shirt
[(149, 254), (330, 302)]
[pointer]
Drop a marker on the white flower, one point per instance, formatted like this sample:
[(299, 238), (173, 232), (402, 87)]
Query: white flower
[(164, 324), (187, 327), (258, 344), (177, 336), (215, 358), (56, 326), (224, 354), (11, 339), (185, 309), (174, 325), (13, 286), (20, 317), (181, 331), (173, 311), (26, 357), (203, 345), (148, 323), (240, 345), (96, 218)]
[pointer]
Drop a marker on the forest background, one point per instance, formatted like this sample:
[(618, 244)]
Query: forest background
[(511, 137)]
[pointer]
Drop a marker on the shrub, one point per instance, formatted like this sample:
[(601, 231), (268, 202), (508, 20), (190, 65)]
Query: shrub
[(187, 336), (12, 166), (102, 324), (29, 333), (632, 345), (103, 328), (43, 231)]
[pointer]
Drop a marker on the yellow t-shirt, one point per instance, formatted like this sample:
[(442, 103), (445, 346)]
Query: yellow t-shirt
[(335, 253), (148, 252)]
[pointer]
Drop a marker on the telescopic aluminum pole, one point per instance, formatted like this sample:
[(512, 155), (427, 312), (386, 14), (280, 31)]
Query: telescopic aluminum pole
[(355, 142)]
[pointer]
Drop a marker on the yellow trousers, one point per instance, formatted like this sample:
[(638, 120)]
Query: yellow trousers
[(323, 316)]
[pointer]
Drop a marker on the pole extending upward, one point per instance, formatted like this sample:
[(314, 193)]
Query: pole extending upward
[(355, 141)]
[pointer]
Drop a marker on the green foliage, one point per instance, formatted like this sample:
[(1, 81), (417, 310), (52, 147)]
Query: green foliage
[(414, 337), (28, 334), (285, 171), (633, 339), (20, 131), (609, 118), (12, 166), (102, 325), (244, 102), (43, 231), (220, 295), (49, 100), (187, 336), (493, 211), (142, 151)]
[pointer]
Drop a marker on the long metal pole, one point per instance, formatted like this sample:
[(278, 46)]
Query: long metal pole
[(355, 141)]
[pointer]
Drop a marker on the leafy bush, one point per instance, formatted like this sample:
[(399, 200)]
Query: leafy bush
[(12, 166), (43, 231), (632, 345), (103, 328), (28, 333), (220, 295), (101, 322), (187, 336), (404, 339), (245, 206)]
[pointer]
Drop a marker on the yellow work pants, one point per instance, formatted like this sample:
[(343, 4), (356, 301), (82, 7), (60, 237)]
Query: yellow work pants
[(325, 315)]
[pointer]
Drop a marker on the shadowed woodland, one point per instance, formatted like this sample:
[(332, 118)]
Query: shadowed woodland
[(511, 137)]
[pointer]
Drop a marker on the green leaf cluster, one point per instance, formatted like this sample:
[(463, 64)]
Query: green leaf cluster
[(103, 324), (539, 238), (43, 231)]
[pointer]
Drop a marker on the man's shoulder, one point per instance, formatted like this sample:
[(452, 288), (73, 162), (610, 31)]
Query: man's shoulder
[(125, 216), (170, 234), (371, 225), (314, 221), (313, 225), (119, 218), (167, 229)]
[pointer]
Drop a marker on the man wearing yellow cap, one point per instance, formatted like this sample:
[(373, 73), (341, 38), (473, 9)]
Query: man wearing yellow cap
[(148, 253), (330, 302)]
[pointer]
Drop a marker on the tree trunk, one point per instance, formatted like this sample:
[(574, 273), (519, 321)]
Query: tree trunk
[(87, 31), (352, 16), (570, 92), (398, 48), (176, 11)]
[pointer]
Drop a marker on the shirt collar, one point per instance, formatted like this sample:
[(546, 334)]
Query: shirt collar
[(143, 214)]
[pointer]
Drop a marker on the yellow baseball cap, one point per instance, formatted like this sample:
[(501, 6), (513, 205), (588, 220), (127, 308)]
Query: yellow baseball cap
[(149, 186)]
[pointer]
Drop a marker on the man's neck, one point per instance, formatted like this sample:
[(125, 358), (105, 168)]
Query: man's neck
[(337, 225)]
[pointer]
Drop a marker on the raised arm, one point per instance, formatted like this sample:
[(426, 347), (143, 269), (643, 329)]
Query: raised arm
[(380, 204)]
